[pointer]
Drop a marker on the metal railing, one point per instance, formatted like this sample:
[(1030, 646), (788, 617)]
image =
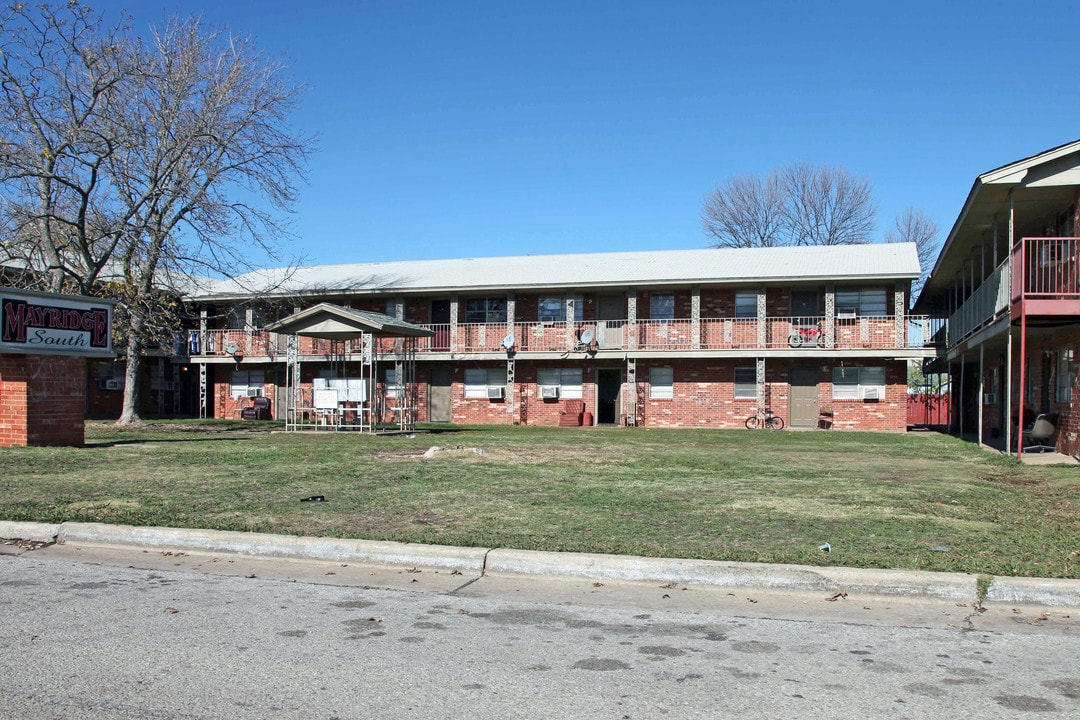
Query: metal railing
[(1046, 268), (987, 302), (681, 334)]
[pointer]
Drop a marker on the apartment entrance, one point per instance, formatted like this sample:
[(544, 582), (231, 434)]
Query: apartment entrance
[(610, 320), (608, 386), (440, 384), (440, 320), (803, 397)]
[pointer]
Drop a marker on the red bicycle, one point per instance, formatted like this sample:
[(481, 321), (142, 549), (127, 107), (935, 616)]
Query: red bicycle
[(806, 336)]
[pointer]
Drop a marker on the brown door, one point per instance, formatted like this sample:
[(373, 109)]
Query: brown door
[(440, 382), (803, 398), (610, 319)]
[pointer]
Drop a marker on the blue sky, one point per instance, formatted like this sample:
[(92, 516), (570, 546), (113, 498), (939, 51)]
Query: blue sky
[(469, 129)]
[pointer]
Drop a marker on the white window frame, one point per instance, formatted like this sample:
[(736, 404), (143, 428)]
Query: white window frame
[(243, 381), (494, 310), (862, 302), (568, 380), (558, 304), (852, 383), (662, 383), (743, 384), (746, 304), (478, 380)]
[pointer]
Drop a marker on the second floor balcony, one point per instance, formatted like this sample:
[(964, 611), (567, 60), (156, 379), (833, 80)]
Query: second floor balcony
[(797, 334)]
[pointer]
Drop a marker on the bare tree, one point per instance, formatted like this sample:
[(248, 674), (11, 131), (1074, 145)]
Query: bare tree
[(747, 211), (915, 226), (798, 204), (175, 151), (828, 206)]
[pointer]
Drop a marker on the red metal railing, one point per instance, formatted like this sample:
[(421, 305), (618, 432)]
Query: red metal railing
[(1046, 268)]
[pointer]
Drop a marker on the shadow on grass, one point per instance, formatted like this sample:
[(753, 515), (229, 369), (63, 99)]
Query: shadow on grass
[(157, 441)]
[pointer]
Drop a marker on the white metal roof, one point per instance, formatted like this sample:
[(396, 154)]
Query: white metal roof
[(595, 270)]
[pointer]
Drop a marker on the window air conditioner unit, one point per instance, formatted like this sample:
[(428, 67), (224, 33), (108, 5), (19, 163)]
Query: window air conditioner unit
[(871, 394), (549, 392), (254, 392), (114, 384), (495, 393), (168, 386), (846, 315), (990, 399)]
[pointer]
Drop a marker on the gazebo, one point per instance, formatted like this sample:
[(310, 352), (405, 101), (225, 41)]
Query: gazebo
[(348, 395)]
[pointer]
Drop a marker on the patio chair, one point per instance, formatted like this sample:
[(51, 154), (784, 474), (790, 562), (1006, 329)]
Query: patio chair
[(259, 410), (572, 414), (1040, 431)]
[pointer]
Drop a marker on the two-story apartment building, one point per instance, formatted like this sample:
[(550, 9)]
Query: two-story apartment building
[(1007, 278), (686, 338)]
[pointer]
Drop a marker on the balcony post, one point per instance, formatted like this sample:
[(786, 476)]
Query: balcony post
[(759, 379), (830, 316), (695, 318), (453, 323), (762, 320), (571, 338), (202, 332), (631, 319), (900, 312)]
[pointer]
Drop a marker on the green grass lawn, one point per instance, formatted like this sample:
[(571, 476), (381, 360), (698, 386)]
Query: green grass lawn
[(920, 501)]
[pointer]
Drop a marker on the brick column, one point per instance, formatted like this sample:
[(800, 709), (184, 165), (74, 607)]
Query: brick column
[(762, 320), (695, 318), (631, 319), (830, 316), (42, 399)]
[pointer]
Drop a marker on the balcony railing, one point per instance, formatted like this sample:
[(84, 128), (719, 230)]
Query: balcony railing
[(1046, 268), (682, 334), (988, 302)]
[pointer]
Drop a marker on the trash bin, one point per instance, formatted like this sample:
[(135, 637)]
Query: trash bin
[(586, 419)]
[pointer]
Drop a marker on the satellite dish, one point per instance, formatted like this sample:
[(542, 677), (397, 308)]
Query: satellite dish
[(231, 348), (588, 336), (508, 341)]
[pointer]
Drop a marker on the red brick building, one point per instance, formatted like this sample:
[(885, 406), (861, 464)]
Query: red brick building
[(1008, 280), (45, 339), (690, 338)]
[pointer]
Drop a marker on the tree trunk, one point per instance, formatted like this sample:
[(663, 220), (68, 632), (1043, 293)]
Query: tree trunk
[(133, 376)]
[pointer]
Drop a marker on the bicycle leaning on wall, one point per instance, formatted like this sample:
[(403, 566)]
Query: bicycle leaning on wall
[(765, 419)]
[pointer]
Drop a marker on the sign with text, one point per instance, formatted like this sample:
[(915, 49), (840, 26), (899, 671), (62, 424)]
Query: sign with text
[(54, 324)]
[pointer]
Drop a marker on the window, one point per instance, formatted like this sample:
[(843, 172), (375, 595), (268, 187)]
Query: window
[(858, 383), (485, 310), (478, 380), (1063, 383), (746, 383), (568, 380), (746, 305), (865, 302), (661, 383), (662, 306), (391, 383), (246, 383), (553, 309)]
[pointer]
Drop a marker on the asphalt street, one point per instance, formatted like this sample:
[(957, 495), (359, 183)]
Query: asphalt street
[(126, 633)]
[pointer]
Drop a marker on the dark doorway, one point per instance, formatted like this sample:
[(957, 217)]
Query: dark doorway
[(440, 395), (440, 318), (803, 398), (804, 307), (608, 385)]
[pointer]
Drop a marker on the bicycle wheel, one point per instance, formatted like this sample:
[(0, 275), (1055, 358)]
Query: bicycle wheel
[(751, 422), (775, 423), (795, 340)]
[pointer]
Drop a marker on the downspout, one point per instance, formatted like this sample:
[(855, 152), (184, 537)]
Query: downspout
[(1023, 323), (979, 396)]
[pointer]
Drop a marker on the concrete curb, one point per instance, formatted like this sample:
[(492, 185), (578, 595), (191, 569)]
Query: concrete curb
[(279, 546), (948, 586), (530, 563), (32, 531), (1034, 591)]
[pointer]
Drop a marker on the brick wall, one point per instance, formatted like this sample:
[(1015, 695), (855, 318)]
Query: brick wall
[(42, 400)]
